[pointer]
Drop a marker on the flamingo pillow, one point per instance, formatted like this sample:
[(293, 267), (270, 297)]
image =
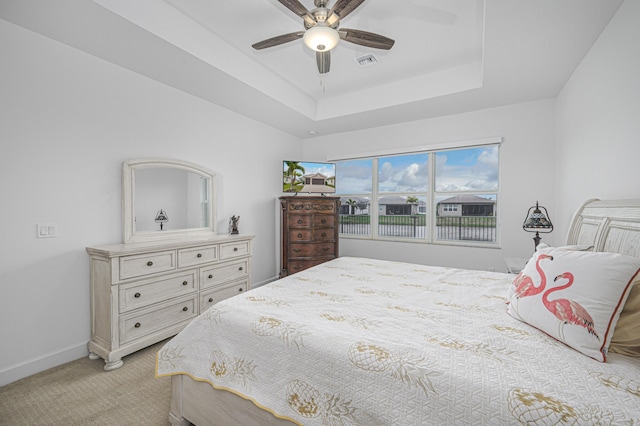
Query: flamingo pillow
[(574, 296)]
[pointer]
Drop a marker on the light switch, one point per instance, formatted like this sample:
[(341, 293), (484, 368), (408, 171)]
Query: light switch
[(46, 230)]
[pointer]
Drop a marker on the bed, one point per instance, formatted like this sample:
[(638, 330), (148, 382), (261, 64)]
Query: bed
[(358, 341)]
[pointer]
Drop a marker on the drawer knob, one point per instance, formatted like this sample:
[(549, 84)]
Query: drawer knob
[(324, 234), (136, 295), (325, 248), (299, 221), (199, 255), (149, 263), (323, 221), (137, 325), (235, 249), (210, 299), (185, 309), (297, 250), (185, 282), (210, 276), (299, 235), (240, 289), (240, 268)]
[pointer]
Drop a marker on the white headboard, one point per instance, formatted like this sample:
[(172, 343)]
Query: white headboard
[(612, 226)]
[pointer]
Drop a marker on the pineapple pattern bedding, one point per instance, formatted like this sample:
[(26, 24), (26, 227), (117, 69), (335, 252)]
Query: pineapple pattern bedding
[(359, 341)]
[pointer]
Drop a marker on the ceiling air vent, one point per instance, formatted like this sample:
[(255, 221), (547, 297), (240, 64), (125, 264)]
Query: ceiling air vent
[(367, 60)]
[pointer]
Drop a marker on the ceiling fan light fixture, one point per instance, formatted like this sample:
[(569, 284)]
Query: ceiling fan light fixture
[(321, 38)]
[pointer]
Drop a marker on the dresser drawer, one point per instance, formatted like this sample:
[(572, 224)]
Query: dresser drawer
[(197, 256), (300, 235), (146, 292), (210, 298), (148, 321), (231, 250), (323, 234), (322, 220), (301, 265), (223, 273), (300, 221), (146, 264), (311, 250)]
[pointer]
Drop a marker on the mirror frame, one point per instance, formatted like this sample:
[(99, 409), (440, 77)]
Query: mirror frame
[(129, 234)]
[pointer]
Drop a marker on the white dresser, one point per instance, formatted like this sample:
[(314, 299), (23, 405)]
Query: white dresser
[(142, 293)]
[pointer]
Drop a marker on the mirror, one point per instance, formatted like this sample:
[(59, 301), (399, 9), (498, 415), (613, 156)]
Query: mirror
[(165, 199)]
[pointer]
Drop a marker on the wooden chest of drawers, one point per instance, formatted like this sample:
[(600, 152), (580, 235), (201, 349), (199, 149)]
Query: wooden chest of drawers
[(142, 293), (309, 232)]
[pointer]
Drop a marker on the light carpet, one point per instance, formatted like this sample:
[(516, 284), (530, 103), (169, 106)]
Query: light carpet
[(82, 393)]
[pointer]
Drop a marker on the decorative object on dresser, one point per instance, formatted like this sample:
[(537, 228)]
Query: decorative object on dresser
[(151, 286), (308, 232), (233, 225), (537, 221)]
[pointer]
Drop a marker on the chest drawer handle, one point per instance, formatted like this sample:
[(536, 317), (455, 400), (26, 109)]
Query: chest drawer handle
[(297, 250), (240, 268), (185, 309), (210, 276), (325, 248), (185, 282), (149, 263), (299, 221), (324, 234), (235, 249), (323, 221), (199, 255), (136, 295), (299, 235), (210, 299), (137, 325)]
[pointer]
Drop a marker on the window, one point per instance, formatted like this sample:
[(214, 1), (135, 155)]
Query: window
[(447, 195)]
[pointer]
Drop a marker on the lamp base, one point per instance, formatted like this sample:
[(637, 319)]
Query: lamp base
[(536, 241)]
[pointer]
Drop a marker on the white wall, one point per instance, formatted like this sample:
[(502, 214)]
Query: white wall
[(68, 120), (526, 175), (598, 147)]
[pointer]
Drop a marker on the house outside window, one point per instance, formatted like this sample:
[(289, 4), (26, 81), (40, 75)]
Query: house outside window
[(441, 196)]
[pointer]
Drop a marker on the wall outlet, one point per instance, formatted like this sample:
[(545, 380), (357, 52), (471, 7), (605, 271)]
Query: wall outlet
[(46, 230)]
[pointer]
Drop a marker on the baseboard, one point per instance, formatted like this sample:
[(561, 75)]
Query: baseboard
[(42, 363), (261, 283)]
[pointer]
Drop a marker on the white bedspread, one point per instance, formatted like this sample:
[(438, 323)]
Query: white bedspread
[(370, 342)]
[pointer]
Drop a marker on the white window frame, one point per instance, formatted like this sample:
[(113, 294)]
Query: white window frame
[(430, 194)]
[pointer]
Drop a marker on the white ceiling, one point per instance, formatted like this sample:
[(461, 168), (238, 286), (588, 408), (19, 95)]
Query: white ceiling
[(450, 56)]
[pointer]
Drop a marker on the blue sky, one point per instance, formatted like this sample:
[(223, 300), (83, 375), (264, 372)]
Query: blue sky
[(469, 169)]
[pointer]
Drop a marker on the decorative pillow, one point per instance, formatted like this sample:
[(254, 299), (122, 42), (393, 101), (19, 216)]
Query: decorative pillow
[(626, 337), (574, 296)]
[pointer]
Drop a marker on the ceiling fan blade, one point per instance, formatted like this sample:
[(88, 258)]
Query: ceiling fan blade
[(365, 38), (324, 61), (342, 8), (274, 41), (296, 7)]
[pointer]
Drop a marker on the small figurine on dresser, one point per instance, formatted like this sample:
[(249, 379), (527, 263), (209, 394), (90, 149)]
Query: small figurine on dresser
[(233, 224)]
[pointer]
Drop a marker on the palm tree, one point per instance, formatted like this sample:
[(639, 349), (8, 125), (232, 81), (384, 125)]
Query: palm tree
[(351, 203), (412, 199), (294, 169)]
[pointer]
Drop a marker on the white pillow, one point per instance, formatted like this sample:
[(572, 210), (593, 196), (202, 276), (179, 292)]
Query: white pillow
[(574, 296)]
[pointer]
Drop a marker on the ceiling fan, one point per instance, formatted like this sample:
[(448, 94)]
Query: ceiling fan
[(322, 32)]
